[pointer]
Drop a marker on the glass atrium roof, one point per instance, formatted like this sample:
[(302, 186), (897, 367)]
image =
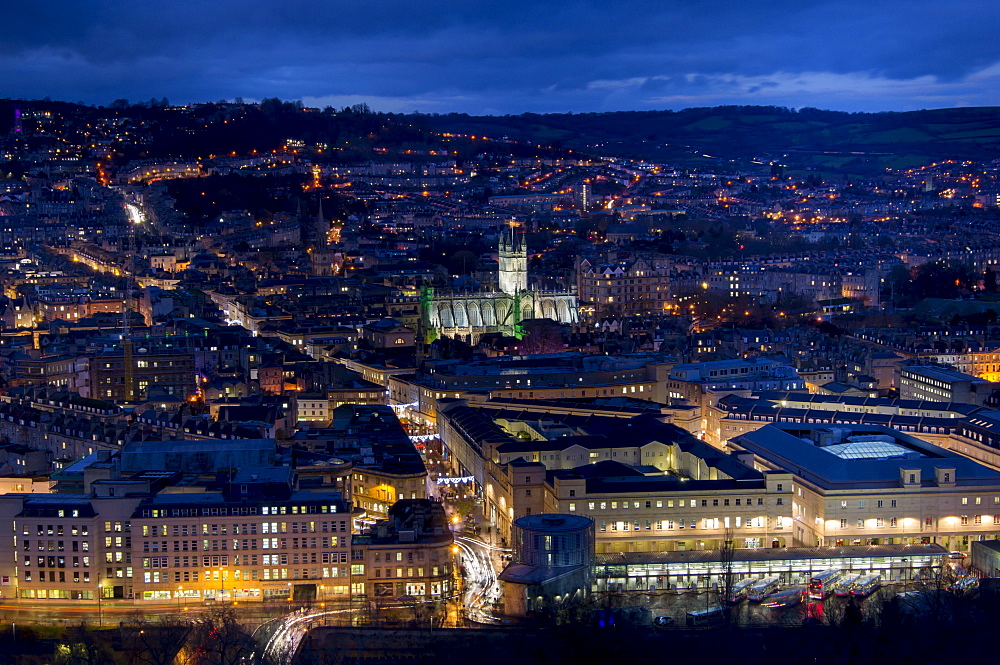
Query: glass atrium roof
[(870, 450)]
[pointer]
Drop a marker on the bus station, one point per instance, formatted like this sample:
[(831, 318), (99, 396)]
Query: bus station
[(706, 569)]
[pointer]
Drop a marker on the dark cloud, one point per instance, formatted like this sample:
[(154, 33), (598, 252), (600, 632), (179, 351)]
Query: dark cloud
[(513, 56)]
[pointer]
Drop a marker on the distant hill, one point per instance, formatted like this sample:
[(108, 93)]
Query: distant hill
[(828, 141)]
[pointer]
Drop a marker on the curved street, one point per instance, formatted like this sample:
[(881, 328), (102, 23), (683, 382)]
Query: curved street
[(482, 589)]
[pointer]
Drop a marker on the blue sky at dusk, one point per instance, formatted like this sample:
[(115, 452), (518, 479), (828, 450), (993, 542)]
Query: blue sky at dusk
[(511, 56)]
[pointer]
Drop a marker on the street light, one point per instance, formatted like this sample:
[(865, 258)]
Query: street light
[(100, 614)]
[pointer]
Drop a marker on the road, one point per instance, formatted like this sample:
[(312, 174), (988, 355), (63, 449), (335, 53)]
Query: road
[(282, 637), (482, 589)]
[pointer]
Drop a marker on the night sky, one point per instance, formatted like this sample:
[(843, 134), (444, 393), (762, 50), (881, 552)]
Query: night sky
[(480, 56)]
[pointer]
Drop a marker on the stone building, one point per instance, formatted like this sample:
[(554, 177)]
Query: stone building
[(467, 316)]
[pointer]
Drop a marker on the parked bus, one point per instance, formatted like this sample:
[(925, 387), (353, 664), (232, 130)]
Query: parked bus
[(739, 590), (762, 589), (965, 583), (866, 585), (843, 586), (787, 598), (821, 584), (711, 616)]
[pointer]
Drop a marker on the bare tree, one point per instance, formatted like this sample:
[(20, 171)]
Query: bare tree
[(726, 555), (154, 641), (219, 639), (83, 645)]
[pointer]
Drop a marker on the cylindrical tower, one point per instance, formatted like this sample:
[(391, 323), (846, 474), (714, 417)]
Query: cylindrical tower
[(552, 540)]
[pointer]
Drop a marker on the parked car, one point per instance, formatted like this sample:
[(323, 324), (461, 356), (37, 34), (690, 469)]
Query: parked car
[(663, 621)]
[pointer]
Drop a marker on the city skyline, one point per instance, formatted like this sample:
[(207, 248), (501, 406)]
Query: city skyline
[(274, 376), (493, 58)]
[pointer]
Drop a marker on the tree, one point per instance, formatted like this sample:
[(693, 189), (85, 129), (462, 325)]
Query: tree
[(725, 591), (462, 262), (153, 641), (219, 640), (82, 645), (541, 336), (990, 280), (939, 279)]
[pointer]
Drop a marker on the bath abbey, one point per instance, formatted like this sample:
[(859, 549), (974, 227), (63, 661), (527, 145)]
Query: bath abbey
[(466, 316)]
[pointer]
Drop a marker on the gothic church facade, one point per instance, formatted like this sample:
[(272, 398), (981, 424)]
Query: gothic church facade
[(467, 316)]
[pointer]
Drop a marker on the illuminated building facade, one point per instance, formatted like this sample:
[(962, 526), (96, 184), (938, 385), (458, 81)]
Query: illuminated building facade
[(468, 315)]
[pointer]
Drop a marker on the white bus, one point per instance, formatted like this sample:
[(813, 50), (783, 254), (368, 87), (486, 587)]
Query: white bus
[(711, 616), (843, 586), (762, 589), (821, 584), (965, 583), (866, 585), (739, 590), (786, 598)]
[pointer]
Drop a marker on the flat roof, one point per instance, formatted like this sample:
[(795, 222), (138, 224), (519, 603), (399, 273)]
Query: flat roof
[(793, 448), (771, 554), (553, 522), (942, 373)]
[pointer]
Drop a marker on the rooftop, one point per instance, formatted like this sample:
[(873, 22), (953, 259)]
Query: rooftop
[(857, 456)]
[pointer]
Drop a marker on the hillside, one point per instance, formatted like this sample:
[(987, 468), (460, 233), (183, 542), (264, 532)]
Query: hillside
[(829, 141)]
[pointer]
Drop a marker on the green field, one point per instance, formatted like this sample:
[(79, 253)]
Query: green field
[(902, 140)]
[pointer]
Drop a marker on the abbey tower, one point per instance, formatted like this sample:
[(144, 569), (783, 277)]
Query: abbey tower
[(513, 259)]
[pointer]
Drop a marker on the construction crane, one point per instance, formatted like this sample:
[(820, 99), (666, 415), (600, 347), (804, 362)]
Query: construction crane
[(128, 362)]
